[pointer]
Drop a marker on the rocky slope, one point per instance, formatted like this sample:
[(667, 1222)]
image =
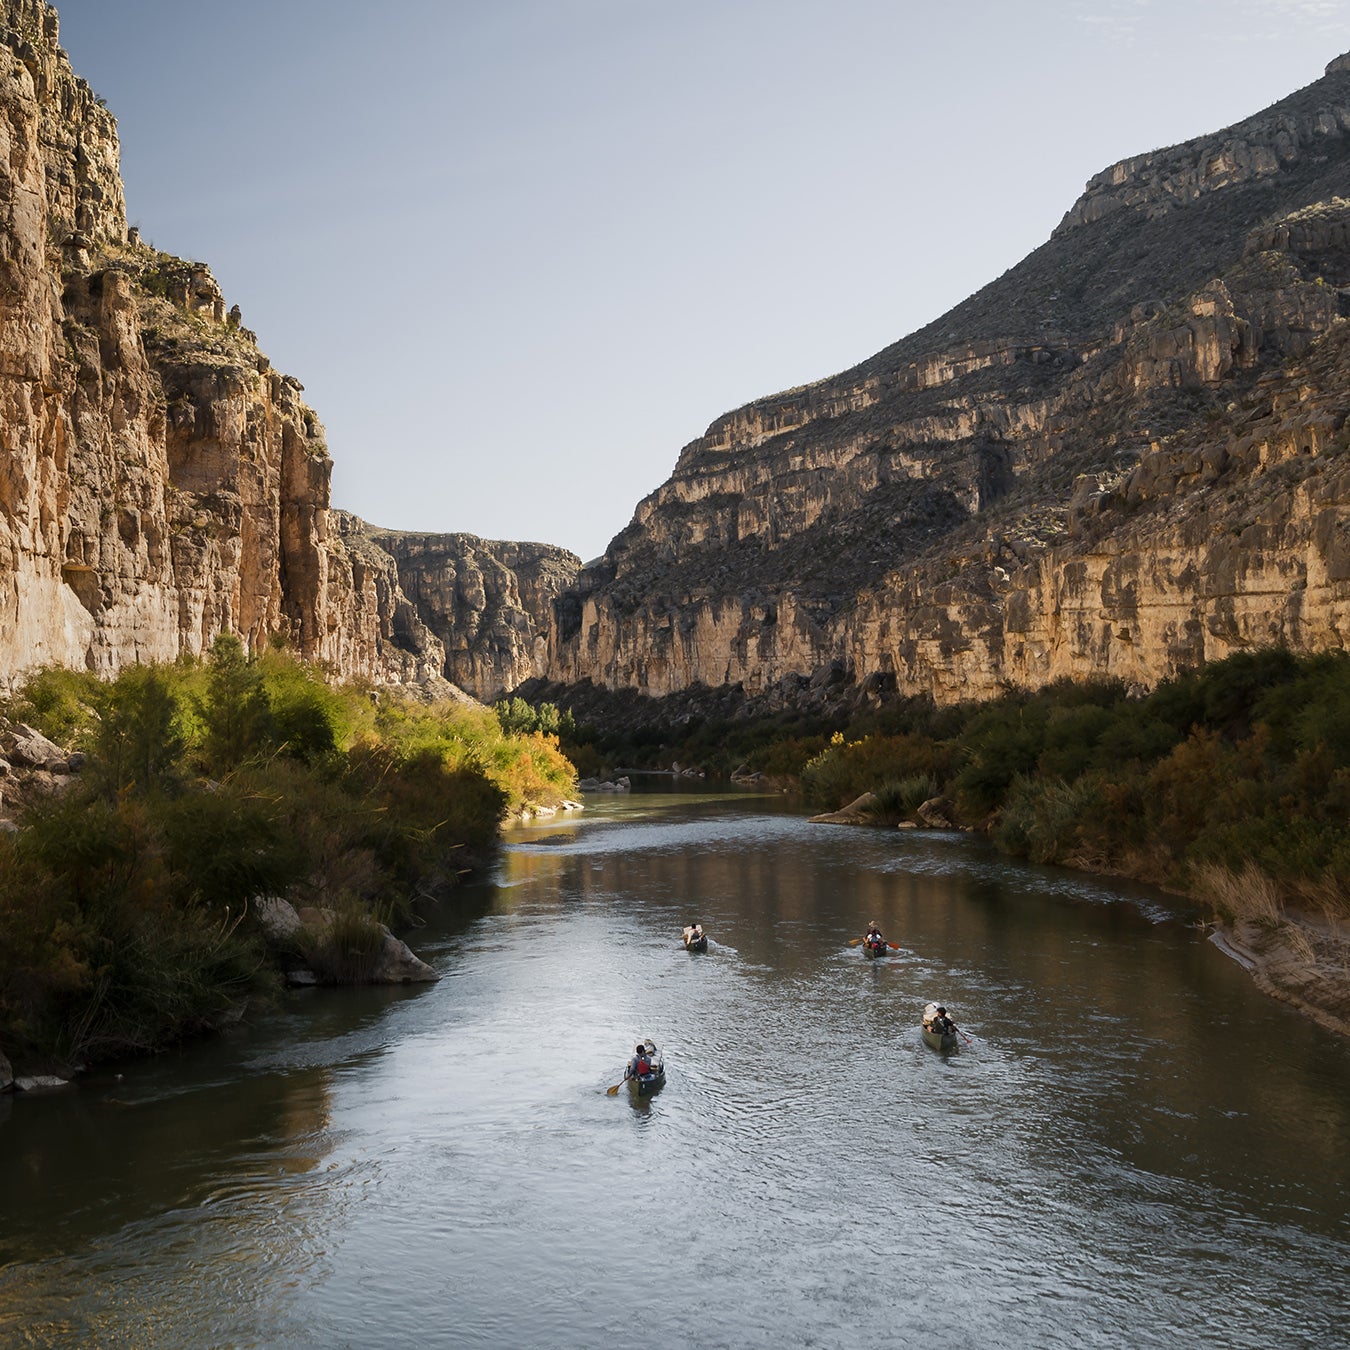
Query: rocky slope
[(1125, 455)]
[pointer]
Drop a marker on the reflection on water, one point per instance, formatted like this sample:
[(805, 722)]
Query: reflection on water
[(1136, 1148)]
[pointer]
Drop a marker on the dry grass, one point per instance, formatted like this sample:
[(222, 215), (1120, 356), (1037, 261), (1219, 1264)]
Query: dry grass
[(1249, 896), (1297, 941), (1324, 895)]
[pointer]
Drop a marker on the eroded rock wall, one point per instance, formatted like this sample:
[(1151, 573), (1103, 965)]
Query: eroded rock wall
[(159, 482), (1123, 457), (489, 602)]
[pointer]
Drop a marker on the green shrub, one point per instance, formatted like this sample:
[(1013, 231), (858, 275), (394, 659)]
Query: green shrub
[(127, 914), (138, 741), (346, 949), (61, 704)]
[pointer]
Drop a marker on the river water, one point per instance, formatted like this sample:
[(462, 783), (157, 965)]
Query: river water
[(1135, 1148)]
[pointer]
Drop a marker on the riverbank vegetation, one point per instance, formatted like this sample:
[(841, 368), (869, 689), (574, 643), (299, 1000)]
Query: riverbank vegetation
[(129, 891), (1236, 770)]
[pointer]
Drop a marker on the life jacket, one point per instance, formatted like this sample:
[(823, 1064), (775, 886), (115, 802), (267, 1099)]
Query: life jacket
[(643, 1066)]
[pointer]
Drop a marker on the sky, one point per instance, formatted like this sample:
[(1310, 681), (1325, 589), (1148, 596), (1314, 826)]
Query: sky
[(520, 252)]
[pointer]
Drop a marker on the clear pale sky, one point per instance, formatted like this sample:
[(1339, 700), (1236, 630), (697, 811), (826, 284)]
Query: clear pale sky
[(519, 252)]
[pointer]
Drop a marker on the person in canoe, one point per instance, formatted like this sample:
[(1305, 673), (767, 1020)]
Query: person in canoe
[(874, 942), (639, 1064), (942, 1024)]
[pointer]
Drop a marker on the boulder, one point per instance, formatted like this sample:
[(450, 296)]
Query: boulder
[(277, 917), (33, 750), (860, 811), (937, 814), (397, 964)]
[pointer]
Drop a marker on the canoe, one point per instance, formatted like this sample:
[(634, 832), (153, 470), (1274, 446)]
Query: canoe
[(644, 1084), (694, 944), (647, 1083), (932, 1035), (874, 948)]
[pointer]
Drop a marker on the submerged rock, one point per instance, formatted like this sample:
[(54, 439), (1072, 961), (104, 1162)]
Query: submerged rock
[(40, 1083)]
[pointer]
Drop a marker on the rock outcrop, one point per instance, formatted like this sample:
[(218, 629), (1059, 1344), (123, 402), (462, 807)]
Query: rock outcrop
[(1124, 456), (159, 482), (489, 603)]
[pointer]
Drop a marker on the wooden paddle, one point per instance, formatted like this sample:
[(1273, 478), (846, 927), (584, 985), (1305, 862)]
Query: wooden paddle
[(609, 1092), (853, 942)]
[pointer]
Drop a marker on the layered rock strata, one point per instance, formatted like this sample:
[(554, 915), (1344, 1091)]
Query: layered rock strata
[(1124, 456), (488, 602), (159, 482)]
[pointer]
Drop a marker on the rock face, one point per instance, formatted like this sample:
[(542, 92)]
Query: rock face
[(1126, 455), (488, 603), (159, 482)]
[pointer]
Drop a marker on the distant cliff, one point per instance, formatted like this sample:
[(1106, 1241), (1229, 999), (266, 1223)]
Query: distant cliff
[(488, 603), (1126, 455)]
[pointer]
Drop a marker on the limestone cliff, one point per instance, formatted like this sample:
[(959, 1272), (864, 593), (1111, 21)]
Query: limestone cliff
[(159, 482), (488, 602), (1125, 455)]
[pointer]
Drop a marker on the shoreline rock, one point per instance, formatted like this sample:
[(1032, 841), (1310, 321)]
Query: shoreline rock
[(394, 963), (860, 811)]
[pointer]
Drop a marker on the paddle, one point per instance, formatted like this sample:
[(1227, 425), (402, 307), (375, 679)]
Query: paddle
[(959, 1032), (853, 942), (609, 1092)]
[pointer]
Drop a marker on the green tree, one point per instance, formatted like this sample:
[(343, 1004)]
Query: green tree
[(235, 714)]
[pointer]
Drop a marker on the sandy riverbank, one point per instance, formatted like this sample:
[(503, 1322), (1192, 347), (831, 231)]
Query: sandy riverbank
[(1302, 960)]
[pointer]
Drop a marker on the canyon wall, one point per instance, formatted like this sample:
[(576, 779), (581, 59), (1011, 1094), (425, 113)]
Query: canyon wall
[(1125, 456), (488, 602), (160, 483)]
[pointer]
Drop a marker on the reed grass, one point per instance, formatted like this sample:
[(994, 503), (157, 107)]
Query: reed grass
[(1249, 896)]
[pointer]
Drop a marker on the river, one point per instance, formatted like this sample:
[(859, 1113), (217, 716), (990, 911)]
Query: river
[(1135, 1148)]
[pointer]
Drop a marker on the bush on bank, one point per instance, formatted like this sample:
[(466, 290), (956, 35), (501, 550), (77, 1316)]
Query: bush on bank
[(127, 903), (1243, 764)]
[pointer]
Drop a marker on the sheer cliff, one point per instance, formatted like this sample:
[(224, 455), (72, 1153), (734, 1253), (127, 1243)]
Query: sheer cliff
[(1125, 455), (159, 482), (488, 603)]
